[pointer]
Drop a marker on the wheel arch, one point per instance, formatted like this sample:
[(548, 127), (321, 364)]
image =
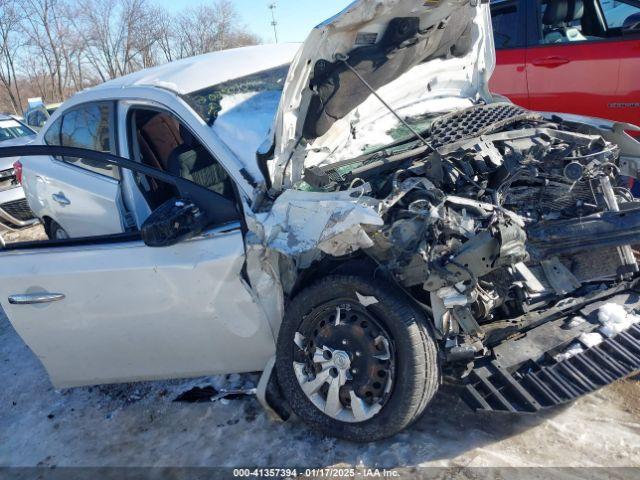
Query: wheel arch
[(46, 222), (359, 264)]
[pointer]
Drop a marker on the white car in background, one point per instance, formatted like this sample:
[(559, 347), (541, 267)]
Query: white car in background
[(14, 209), (38, 113), (362, 218)]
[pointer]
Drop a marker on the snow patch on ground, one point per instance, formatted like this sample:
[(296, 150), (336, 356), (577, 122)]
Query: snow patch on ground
[(573, 350), (576, 322), (141, 425), (591, 340), (615, 319)]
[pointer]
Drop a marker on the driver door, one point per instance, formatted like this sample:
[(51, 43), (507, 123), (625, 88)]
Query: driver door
[(111, 309)]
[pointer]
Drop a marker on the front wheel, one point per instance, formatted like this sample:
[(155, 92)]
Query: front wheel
[(56, 232), (356, 359)]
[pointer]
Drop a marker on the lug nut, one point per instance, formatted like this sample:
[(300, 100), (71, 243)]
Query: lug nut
[(358, 353), (354, 371), (345, 342)]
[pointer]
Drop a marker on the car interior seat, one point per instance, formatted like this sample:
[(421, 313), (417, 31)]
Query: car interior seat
[(192, 161), (553, 21), (562, 21), (157, 135), (632, 22), (574, 15), (162, 133)]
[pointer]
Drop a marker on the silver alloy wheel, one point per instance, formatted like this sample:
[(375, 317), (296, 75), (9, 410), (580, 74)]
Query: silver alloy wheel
[(348, 348)]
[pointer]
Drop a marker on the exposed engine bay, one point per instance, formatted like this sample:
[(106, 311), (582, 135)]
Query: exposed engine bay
[(498, 214), (393, 162)]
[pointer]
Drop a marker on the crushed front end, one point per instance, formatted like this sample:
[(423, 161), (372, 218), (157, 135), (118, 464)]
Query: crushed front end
[(510, 230)]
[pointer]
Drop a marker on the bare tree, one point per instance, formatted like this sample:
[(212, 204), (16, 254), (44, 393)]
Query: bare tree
[(43, 27), (210, 28), (146, 38), (9, 44), (53, 48), (120, 35), (166, 36)]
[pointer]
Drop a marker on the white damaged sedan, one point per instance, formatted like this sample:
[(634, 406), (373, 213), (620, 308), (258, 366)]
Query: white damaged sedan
[(357, 217)]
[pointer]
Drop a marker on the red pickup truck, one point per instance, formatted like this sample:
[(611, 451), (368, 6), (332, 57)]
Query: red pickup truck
[(575, 56)]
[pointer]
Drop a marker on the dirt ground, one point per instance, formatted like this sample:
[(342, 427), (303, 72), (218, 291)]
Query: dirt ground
[(140, 425), (31, 234)]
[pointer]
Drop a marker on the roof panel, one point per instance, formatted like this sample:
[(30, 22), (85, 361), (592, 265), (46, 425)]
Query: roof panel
[(195, 73)]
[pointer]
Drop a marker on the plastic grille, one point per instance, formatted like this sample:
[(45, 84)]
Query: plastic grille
[(18, 209), (471, 122)]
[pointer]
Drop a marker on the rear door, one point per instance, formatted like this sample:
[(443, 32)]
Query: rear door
[(574, 59), (509, 23), (82, 196)]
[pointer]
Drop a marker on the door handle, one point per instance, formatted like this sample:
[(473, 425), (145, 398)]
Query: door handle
[(35, 298), (550, 62), (61, 199)]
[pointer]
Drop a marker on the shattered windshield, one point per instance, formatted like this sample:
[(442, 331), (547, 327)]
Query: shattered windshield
[(242, 110), (10, 129), (212, 101)]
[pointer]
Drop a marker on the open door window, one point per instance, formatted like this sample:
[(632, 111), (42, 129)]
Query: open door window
[(158, 139)]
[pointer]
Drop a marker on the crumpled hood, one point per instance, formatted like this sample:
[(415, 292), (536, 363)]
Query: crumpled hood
[(419, 56)]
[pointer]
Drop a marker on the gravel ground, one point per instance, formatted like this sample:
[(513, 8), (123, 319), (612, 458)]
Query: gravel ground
[(140, 425), (31, 234)]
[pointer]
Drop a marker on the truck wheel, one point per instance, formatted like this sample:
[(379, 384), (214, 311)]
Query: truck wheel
[(356, 359)]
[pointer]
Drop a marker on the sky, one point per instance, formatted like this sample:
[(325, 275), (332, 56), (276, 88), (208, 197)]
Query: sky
[(295, 17)]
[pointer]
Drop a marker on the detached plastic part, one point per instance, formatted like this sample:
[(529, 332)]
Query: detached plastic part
[(491, 387), (270, 396)]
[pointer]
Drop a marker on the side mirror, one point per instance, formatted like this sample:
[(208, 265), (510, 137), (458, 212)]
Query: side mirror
[(173, 222)]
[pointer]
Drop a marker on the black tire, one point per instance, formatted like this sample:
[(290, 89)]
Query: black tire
[(417, 371), (56, 232)]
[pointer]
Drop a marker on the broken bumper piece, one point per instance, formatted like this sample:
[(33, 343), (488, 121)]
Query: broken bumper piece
[(497, 384)]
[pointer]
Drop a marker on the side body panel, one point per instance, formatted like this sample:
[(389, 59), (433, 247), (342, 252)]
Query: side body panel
[(580, 78), (595, 77), (509, 20), (626, 106), (132, 312), (61, 191), (510, 77)]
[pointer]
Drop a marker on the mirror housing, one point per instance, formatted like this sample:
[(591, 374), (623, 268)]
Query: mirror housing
[(173, 222)]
